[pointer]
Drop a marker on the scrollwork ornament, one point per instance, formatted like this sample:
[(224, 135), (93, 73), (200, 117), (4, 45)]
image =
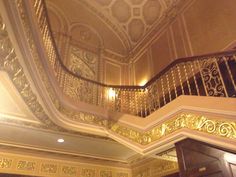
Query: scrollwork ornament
[(5, 163), (212, 79), (208, 125), (88, 173), (26, 165), (228, 129), (189, 121), (68, 170), (49, 168)]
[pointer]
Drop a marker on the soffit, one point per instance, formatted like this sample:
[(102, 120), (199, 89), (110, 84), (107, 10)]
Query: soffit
[(80, 146), (121, 24), (12, 106), (20, 128)]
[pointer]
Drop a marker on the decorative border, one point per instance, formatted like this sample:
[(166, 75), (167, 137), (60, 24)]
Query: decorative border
[(29, 165), (48, 166), (221, 128)]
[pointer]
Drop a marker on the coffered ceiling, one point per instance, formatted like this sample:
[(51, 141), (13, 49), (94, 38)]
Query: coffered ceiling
[(118, 26), (135, 17)]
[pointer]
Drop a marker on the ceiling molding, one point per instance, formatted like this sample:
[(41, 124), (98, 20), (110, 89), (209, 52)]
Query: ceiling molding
[(116, 29)]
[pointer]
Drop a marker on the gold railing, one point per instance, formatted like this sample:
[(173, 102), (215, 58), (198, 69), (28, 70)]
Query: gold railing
[(209, 75)]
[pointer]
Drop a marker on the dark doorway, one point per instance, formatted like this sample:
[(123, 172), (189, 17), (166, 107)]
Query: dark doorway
[(197, 159)]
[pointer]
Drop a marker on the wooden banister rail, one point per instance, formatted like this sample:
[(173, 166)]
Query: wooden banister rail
[(206, 75)]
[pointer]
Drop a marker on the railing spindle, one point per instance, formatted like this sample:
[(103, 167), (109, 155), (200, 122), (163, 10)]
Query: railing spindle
[(182, 77), (163, 91), (174, 84), (168, 85), (230, 73), (202, 78), (194, 77), (221, 78), (187, 79)]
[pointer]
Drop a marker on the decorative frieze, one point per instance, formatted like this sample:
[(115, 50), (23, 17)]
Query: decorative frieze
[(87, 172), (49, 168), (5, 163), (69, 170), (26, 165), (105, 173)]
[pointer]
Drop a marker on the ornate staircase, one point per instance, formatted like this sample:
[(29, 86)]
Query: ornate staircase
[(177, 103)]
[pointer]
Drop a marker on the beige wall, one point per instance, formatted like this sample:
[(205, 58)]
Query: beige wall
[(141, 67), (206, 26), (161, 52), (211, 25)]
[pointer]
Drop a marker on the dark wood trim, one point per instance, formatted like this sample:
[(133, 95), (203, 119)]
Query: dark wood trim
[(199, 159)]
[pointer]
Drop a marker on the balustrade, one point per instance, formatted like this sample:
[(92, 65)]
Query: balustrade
[(212, 75)]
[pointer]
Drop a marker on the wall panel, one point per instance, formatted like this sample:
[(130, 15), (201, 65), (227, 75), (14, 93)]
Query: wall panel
[(112, 73), (211, 25), (142, 69), (205, 26), (178, 39), (161, 53)]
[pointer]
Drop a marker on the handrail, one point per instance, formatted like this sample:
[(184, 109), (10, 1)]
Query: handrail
[(186, 59), (176, 61), (205, 75), (156, 76)]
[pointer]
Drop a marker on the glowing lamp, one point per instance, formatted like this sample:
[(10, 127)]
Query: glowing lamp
[(143, 82), (111, 93)]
